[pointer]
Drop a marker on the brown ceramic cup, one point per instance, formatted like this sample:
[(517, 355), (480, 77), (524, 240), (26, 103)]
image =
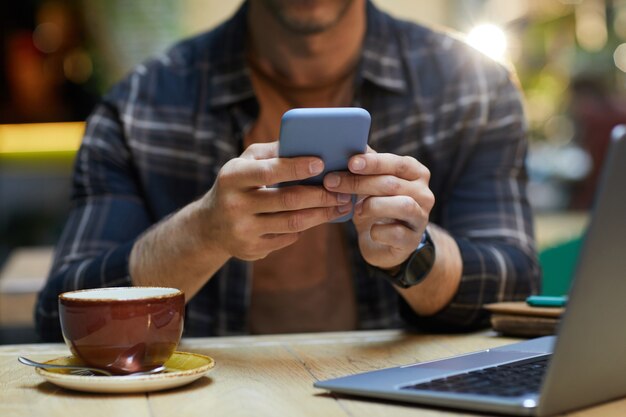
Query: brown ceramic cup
[(124, 329)]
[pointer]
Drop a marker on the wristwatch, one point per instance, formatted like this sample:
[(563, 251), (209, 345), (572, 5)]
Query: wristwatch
[(417, 266)]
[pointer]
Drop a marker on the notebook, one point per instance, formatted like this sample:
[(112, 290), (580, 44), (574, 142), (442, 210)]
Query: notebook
[(582, 365)]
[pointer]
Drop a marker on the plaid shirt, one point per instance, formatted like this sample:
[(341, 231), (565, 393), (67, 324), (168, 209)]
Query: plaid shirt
[(157, 140)]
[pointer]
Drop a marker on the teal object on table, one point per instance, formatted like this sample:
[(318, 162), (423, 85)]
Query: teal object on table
[(547, 300)]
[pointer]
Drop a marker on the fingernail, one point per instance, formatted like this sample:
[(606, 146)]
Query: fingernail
[(316, 167), (332, 180), (344, 209), (343, 198), (358, 164)]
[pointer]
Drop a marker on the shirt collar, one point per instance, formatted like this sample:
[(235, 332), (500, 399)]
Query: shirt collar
[(381, 58), (229, 77)]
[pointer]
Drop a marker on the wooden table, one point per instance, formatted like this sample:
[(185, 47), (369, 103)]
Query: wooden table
[(254, 376)]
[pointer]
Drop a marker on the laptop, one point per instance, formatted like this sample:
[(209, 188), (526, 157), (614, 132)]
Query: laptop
[(583, 365)]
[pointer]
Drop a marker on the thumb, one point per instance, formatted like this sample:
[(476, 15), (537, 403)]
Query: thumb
[(265, 150)]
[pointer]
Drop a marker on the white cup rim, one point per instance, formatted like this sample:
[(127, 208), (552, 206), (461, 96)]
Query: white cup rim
[(120, 294)]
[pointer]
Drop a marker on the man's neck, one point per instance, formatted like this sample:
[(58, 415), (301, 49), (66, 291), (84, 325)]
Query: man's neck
[(306, 60)]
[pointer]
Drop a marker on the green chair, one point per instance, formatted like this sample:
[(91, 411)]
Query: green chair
[(558, 263)]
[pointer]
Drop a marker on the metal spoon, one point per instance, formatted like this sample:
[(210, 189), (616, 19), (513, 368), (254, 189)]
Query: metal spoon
[(83, 370)]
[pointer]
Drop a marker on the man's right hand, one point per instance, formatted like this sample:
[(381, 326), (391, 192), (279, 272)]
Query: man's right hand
[(241, 216), (247, 218)]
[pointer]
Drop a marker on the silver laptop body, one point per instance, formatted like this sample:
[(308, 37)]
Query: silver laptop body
[(588, 356)]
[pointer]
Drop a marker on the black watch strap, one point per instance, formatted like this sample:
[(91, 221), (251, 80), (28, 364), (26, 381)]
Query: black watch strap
[(419, 264)]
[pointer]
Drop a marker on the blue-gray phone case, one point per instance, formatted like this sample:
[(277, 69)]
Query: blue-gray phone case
[(334, 134)]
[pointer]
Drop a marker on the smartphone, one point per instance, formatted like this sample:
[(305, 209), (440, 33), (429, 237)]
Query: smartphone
[(546, 301), (333, 134)]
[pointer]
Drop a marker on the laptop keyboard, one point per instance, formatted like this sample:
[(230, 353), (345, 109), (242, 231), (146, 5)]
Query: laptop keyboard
[(510, 380)]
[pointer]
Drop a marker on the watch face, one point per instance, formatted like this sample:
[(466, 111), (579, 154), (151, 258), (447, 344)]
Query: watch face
[(420, 264)]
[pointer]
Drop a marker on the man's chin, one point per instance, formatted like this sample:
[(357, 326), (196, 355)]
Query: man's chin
[(305, 28), (306, 17)]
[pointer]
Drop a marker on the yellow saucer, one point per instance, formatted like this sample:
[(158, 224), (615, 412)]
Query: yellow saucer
[(182, 368)]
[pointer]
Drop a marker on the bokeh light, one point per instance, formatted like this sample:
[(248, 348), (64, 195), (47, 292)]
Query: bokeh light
[(489, 39), (620, 57), (47, 37), (591, 25), (77, 66)]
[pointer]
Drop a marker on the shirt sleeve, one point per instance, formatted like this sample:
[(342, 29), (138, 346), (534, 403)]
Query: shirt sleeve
[(488, 214), (106, 216)]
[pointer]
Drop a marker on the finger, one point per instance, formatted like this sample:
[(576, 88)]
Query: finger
[(300, 220), (362, 197), (401, 208), (405, 167), (297, 197), (249, 172), (396, 235), (345, 182), (261, 151)]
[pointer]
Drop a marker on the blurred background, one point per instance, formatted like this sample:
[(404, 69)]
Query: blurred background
[(57, 57)]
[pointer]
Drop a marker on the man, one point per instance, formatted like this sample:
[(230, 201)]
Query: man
[(171, 181)]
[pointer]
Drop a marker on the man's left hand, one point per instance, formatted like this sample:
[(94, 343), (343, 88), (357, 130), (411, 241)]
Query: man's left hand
[(393, 206)]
